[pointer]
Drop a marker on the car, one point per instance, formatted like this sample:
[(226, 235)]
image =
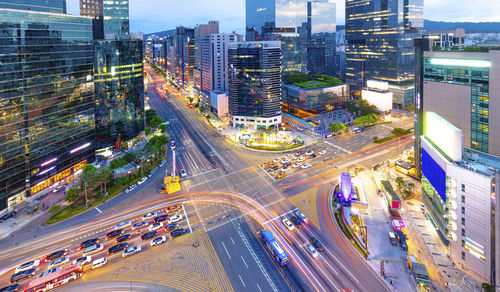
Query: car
[(318, 245), (149, 215), (171, 226), (158, 241), (177, 232), (123, 238), (284, 161), (92, 249), (7, 216), (162, 163), (99, 263), (280, 175), (22, 275), (172, 144), (296, 220), (301, 159), (114, 233), (274, 167), (310, 152), (142, 180), (160, 218), (298, 153), (277, 160), (59, 188), (28, 265), (422, 208), (123, 224), (288, 156), (301, 216), (322, 152), (117, 248), (311, 249), (285, 169), (49, 272), (140, 225), (131, 250), (88, 243), (58, 262), (150, 174), (83, 260), (130, 188), (306, 166), (297, 165), (55, 255), (183, 173), (175, 218), (312, 155), (155, 226), (149, 235), (288, 224), (10, 288), (172, 208), (392, 238)]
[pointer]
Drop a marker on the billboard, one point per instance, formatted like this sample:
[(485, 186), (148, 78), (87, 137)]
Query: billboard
[(434, 174), (444, 135)]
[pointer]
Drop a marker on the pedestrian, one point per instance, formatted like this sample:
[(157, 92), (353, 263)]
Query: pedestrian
[(390, 281)]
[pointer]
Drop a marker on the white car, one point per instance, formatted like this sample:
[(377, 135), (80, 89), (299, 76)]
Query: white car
[(162, 163), (155, 226), (83, 260), (123, 224), (142, 180), (288, 156), (28, 265), (140, 225), (322, 152), (306, 166), (99, 263), (297, 165), (301, 159), (288, 224), (285, 169), (285, 161), (58, 262), (311, 249), (92, 249), (310, 152), (175, 218), (183, 173), (149, 215), (277, 160), (131, 188), (131, 250), (158, 241)]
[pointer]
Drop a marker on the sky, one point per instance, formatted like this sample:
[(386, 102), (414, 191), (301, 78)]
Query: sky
[(156, 15)]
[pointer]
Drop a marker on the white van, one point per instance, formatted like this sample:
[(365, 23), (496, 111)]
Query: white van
[(92, 249), (99, 262)]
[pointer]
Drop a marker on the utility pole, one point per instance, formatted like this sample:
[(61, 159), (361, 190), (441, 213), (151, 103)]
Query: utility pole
[(85, 186)]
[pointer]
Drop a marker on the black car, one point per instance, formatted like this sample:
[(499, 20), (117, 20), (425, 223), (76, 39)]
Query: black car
[(123, 238), (313, 155), (55, 255), (160, 218), (10, 288), (114, 233), (177, 232), (297, 221), (171, 226), (22, 275), (317, 244), (88, 243), (148, 235), (117, 248), (7, 216)]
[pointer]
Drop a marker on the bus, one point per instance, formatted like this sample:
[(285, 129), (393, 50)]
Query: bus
[(55, 279), (357, 130), (275, 248)]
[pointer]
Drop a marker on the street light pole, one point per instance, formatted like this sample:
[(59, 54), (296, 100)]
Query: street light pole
[(85, 186)]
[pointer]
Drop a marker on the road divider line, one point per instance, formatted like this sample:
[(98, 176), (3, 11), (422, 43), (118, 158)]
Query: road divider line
[(226, 249), (242, 281), (268, 221), (187, 219), (259, 287), (232, 240), (98, 210), (244, 262)]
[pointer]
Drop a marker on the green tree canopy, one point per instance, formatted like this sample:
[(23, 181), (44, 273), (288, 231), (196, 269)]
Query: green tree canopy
[(156, 121)]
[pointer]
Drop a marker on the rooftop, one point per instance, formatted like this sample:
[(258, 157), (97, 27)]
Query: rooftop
[(480, 162), (312, 81)]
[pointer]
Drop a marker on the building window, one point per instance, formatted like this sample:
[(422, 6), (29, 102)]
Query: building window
[(463, 210), (463, 232), (463, 221), (463, 256), (463, 199), (463, 188)]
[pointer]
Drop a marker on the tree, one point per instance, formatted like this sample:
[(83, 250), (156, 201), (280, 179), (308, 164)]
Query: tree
[(337, 127), (148, 131), (73, 194), (201, 109), (400, 182), (411, 108), (150, 113), (156, 121), (163, 128), (398, 132)]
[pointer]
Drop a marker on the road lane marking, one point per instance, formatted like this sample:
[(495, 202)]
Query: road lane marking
[(277, 217), (259, 287), (244, 262), (98, 210), (226, 249), (232, 240), (242, 281), (187, 219), (267, 173)]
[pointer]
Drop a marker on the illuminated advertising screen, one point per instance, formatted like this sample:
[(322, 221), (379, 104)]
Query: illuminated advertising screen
[(434, 174)]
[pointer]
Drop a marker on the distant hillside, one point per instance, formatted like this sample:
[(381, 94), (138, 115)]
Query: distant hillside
[(160, 34), (470, 27)]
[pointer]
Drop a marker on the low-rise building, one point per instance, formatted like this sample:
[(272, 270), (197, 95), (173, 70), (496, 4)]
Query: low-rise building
[(219, 103), (377, 93)]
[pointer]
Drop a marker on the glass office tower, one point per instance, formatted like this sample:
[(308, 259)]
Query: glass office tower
[(116, 17), (119, 90), (379, 37), (254, 84), (94, 9), (46, 100), (54, 6)]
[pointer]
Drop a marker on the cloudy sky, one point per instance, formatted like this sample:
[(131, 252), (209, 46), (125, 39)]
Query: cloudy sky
[(156, 15)]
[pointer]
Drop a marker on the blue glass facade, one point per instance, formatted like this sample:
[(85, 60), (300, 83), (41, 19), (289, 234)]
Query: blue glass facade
[(54, 6), (119, 90), (116, 17), (46, 98)]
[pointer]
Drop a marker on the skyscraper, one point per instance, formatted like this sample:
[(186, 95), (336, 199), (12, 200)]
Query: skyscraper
[(199, 31), (47, 99), (93, 8), (379, 36), (116, 17), (184, 57), (119, 89), (54, 6), (255, 84)]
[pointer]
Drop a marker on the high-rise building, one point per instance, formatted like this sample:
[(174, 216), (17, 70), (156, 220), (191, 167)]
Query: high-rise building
[(305, 28), (46, 96), (202, 30), (119, 89), (94, 9), (255, 84), (446, 39), (379, 44), (53, 6), (116, 17), (214, 63), (184, 57)]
